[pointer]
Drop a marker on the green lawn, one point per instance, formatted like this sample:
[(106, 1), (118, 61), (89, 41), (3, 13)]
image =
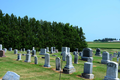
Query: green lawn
[(107, 45), (30, 71)]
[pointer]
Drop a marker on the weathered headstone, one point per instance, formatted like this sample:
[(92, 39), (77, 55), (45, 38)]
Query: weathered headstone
[(98, 52), (80, 53), (105, 57), (87, 52), (0, 46), (15, 51), (35, 60), (112, 71), (58, 67), (56, 50), (68, 50), (110, 57), (11, 76), (64, 49), (88, 66), (76, 59), (33, 53), (47, 49), (5, 49), (76, 49), (28, 56), (42, 51), (47, 60), (69, 68), (90, 59), (24, 49), (10, 49), (19, 57), (2, 53), (64, 54), (51, 50), (33, 48)]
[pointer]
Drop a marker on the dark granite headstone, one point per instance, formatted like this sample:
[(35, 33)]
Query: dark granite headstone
[(2, 53)]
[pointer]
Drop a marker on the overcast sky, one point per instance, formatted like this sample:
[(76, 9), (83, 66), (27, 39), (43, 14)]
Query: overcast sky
[(98, 18)]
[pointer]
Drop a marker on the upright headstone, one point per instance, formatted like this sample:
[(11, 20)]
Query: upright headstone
[(114, 54), (112, 71), (69, 68), (105, 57), (15, 51), (88, 66), (110, 57), (28, 56), (21, 50), (11, 76), (42, 51), (5, 49), (51, 50), (19, 57), (117, 59), (64, 49), (64, 54), (68, 50), (58, 67), (98, 52), (87, 52), (80, 53), (56, 50), (2, 53), (47, 49), (76, 49), (47, 60), (0, 46), (90, 59), (33, 53), (35, 60), (118, 54), (76, 59), (10, 49), (24, 49)]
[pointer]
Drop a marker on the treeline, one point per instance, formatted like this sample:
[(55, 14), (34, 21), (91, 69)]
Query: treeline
[(17, 32), (105, 40)]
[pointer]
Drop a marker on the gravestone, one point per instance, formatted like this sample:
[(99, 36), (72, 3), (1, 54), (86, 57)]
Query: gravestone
[(76, 49), (28, 56), (88, 66), (33, 48), (0, 46), (51, 50), (47, 49), (47, 60), (68, 50), (15, 51), (112, 71), (64, 49), (117, 59), (114, 54), (42, 51), (2, 53), (98, 52), (64, 54), (118, 54), (11, 76), (105, 57), (21, 50), (58, 67), (35, 60), (69, 68), (76, 59), (19, 57), (56, 50), (110, 57), (80, 53), (10, 49), (5, 49), (33, 53), (87, 52), (90, 59), (24, 49)]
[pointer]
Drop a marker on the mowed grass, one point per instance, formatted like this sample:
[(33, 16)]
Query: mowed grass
[(107, 45), (31, 71)]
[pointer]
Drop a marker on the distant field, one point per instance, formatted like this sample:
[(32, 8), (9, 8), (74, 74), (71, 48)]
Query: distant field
[(106, 45)]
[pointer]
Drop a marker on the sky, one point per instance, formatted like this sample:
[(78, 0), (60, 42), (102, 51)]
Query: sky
[(98, 18)]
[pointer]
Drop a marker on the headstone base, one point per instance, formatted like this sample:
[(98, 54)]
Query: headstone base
[(85, 58), (104, 61), (110, 78), (47, 66), (88, 76), (68, 71)]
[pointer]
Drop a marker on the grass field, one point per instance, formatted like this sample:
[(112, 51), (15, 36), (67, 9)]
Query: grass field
[(31, 71), (107, 45)]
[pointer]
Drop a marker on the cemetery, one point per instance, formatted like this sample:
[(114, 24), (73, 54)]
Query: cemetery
[(66, 65)]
